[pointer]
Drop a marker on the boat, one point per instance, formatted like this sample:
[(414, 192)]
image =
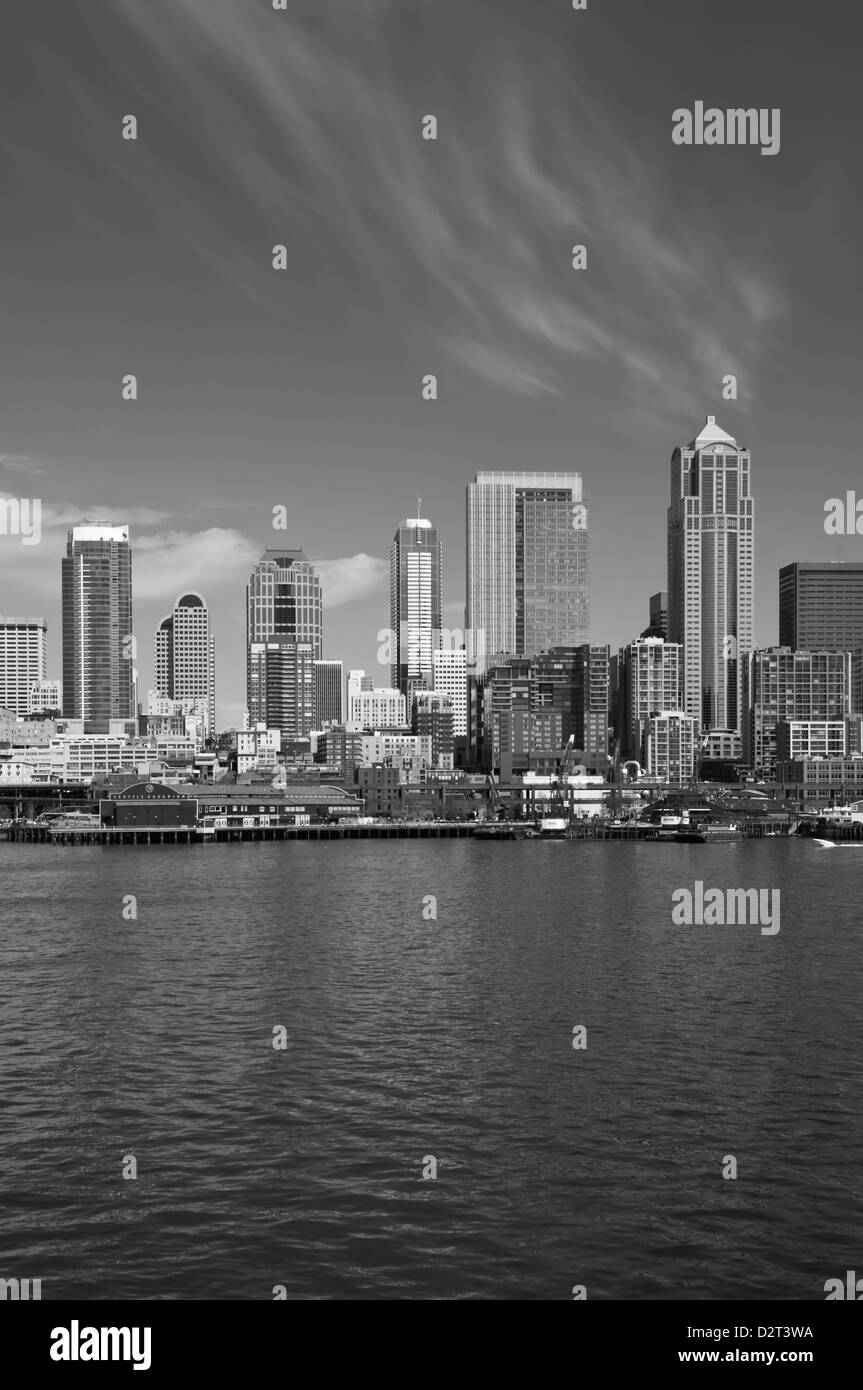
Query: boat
[(708, 834)]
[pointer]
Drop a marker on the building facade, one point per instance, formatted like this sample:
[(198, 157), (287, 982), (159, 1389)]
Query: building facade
[(281, 687), (378, 709), (99, 678), (528, 578), (648, 673), (416, 588), (671, 747), (710, 574), (432, 717), (821, 605), (284, 635), (329, 688), (449, 673), (23, 662), (184, 656), (782, 685)]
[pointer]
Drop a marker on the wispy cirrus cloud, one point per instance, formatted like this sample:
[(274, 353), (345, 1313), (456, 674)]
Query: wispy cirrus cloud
[(21, 463), (469, 237)]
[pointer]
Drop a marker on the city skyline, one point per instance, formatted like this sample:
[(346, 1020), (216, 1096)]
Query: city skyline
[(299, 617)]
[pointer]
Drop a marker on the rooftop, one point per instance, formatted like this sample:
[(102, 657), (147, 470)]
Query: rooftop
[(711, 433)]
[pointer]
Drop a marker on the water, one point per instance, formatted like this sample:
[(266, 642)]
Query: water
[(411, 1038)]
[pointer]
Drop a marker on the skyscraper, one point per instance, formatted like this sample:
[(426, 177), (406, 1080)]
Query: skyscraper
[(528, 583), (649, 682), (23, 661), (282, 687), (821, 605), (329, 692), (710, 574), (416, 586), (284, 625), (184, 658), (98, 650)]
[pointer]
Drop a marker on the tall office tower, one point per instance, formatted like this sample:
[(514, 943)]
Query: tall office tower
[(528, 581), (591, 699), (185, 655), (283, 600), (329, 684), (821, 605), (658, 626), (649, 671), (284, 612), (282, 687), (416, 586), (784, 685), (98, 651), (449, 669), (710, 574), (23, 661)]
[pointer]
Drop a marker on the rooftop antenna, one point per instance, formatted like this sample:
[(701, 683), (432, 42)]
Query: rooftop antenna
[(419, 507)]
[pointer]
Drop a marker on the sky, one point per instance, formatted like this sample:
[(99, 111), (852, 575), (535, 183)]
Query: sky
[(302, 387)]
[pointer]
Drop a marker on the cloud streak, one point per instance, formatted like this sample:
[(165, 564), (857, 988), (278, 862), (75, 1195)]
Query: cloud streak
[(468, 238)]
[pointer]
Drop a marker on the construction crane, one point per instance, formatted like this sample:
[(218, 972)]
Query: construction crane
[(558, 809)]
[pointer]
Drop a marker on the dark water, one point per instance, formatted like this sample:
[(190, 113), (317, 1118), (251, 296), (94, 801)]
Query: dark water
[(410, 1038)]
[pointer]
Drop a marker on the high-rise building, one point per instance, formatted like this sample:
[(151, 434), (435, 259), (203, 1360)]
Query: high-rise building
[(528, 582), (99, 680), (821, 605), (648, 673), (512, 717), (450, 678), (710, 574), (784, 686), (185, 655), (671, 747), (416, 586), (591, 699), (23, 661), (282, 687), (284, 634), (329, 685)]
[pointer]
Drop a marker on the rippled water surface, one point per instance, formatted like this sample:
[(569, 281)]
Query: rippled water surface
[(410, 1038)]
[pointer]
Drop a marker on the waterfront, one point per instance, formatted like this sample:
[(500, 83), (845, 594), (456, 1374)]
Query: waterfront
[(410, 1037)]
